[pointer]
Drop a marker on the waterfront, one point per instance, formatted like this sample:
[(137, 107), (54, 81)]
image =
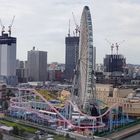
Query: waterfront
[(133, 137), (125, 133)]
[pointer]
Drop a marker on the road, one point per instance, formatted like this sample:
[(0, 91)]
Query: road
[(7, 137), (41, 127)]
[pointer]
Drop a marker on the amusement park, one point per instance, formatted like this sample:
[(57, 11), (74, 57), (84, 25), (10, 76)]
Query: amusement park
[(78, 100), (78, 110)]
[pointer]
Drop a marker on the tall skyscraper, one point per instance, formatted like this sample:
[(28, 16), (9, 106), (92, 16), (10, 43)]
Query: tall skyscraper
[(8, 59), (37, 65), (71, 56)]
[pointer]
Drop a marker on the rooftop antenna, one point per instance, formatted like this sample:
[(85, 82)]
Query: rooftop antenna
[(3, 27), (112, 45), (69, 29), (77, 29), (10, 26)]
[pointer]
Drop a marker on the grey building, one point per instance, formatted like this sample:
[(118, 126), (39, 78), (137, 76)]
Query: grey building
[(114, 63), (3, 96), (115, 69), (8, 59), (22, 71), (71, 56), (37, 65)]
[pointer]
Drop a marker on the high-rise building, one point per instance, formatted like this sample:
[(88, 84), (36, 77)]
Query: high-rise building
[(8, 59), (71, 56), (37, 65)]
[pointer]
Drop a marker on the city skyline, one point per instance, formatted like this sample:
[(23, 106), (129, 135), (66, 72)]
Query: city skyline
[(45, 24)]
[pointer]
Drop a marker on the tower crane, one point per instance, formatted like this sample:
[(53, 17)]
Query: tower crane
[(117, 45), (10, 26), (112, 45), (3, 27), (77, 29), (69, 29)]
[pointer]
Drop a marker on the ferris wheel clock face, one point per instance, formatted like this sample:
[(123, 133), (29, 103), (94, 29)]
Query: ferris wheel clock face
[(85, 91)]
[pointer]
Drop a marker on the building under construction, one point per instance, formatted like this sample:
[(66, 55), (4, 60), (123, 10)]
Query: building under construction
[(114, 66), (114, 63), (71, 56), (71, 52), (7, 56)]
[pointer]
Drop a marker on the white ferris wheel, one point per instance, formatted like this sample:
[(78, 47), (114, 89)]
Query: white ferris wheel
[(84, 77)]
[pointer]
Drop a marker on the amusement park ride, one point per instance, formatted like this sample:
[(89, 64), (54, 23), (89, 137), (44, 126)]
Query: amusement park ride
[(83, 111)]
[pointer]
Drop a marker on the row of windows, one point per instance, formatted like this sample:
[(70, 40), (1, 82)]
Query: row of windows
[(128, 105), (115, 100), (101, 89)]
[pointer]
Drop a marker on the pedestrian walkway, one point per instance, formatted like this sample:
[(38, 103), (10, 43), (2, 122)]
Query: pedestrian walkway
[(8, 137), (124, 133)]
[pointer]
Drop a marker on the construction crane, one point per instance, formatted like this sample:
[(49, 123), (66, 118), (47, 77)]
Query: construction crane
[(10, 26), (77, 28), (69, 29), (112, 45), (117, 45), (3, 27)]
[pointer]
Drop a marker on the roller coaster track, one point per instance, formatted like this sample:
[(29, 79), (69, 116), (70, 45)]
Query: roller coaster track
[(94, 118)]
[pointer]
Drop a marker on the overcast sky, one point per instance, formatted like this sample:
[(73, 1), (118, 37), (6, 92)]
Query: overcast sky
[(44, 24)]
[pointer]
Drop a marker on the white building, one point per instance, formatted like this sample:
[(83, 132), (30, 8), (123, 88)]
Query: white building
[(8, 59)]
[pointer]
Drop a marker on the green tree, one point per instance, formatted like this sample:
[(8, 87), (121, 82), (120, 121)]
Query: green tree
[(6, 105), (21, 131), (36, 137), (15, 130), (1, 136), (10, 93), (67, 135)]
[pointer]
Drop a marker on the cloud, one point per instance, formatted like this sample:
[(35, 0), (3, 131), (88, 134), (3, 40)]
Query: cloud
[(117, 20), (44, 24)]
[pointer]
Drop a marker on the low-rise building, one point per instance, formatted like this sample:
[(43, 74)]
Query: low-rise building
[(22, 71), (3, 97), (127, 98), (56, 71)]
